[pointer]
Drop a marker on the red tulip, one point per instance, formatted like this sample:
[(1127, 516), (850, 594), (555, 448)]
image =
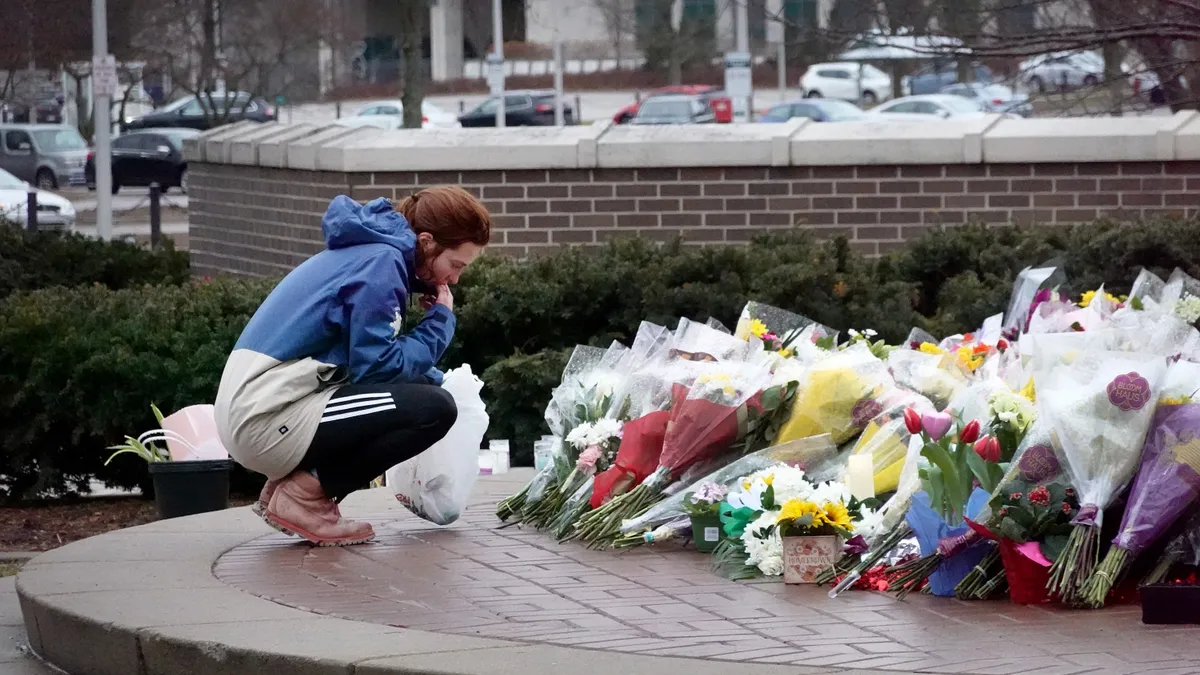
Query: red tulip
[(988, 448), (912, 420), (969, 432)]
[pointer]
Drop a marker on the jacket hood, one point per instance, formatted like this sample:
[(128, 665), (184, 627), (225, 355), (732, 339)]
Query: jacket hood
[(347, 223)]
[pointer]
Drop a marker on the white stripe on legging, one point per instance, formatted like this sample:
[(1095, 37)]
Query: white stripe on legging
[(358, 397), (357, 413), (337, 404)]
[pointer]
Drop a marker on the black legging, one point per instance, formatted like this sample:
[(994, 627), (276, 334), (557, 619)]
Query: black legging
[(369, 428)]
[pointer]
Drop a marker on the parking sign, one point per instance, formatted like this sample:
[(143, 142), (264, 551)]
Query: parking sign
[(104, 76)]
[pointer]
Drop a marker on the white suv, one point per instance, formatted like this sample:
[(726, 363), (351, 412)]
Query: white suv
[(841, 81)]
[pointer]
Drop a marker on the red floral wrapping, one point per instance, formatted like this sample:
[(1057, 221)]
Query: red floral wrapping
[(700, 428), (637, 457), (1027, 578)]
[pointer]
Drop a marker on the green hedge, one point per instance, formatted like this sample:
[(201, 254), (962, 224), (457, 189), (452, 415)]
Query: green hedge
[(45, 259), (80, 366)]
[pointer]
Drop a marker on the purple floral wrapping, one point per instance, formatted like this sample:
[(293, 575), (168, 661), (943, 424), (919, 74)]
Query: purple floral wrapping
[(1167, 480)]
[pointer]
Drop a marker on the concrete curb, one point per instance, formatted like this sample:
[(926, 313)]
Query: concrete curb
[(144, 601)]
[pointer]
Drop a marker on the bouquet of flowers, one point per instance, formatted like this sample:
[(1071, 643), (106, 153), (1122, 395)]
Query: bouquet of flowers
[(1167, 482), (706, 420), (1011, 415), (839, 396), (562, 412), (655, 524), (580, 400), (754, 510), (1101, 407), (953, 465), (1032, 529), (777, 328), (1030, 282)]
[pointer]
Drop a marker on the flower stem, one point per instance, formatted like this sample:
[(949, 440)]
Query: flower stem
[(912, 575), (971, 585), (1161, 569), (1104, 577), (512, 505), (1078, 559)]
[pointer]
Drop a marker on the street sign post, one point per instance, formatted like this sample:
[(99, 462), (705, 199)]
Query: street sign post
[(739, 82), (104, 76)]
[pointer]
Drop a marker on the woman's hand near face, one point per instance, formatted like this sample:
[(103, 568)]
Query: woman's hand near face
[(445, 297)]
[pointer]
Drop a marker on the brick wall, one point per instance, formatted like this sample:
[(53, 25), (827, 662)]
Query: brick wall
[(261, 221)]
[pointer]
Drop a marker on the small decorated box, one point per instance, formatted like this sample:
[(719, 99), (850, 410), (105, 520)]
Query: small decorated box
[(805, 556)]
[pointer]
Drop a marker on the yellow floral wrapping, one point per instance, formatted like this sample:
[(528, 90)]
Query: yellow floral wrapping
[(886, 442), (838, 397)]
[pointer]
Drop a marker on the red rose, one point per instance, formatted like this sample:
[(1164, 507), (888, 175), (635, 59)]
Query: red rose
[(1066, 508), (1016, 496)]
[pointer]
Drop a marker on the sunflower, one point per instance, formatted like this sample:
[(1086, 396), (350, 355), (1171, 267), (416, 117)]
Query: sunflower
[(795, 509), (836, 514)]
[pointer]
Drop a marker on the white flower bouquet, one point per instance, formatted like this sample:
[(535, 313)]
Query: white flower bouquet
[(1100, 407)]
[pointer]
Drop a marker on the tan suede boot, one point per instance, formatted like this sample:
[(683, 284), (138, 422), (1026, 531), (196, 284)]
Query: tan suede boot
[(299, 506), (264, 498)]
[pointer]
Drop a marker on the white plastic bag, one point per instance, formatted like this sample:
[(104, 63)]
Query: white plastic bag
[(436, 484)]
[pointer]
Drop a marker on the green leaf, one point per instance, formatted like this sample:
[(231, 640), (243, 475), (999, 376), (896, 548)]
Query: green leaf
[(980, 469), (1136, 303), (1053, 545), (1011, 530), (768, 498), (157, 414), (771, 398), (950, 487)]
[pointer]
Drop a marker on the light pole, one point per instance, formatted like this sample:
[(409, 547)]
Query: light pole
[(101, 102), (498, 52), (743, 46), (558, 66)]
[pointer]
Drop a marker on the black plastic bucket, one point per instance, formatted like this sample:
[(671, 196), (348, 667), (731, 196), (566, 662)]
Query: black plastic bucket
[(189, 487)]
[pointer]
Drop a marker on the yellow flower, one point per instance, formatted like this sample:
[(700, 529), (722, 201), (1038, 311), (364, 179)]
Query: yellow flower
[(794, 509), (786, 353), (969, 359), (930, 348), (1087, 298), (729, 390), (769, 478), (1028, 391), (758, 328), (837, 515), (1175, 400)]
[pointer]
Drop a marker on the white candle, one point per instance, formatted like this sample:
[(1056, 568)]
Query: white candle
[(860, 476)]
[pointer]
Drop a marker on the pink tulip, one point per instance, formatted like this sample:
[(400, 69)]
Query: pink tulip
[(936, 424)]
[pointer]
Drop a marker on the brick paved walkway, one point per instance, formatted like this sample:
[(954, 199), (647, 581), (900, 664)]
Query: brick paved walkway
[(473, 579)]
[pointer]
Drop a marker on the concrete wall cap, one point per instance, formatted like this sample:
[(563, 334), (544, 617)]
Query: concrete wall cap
[(244, 148), (458, 149), (272, 152), (883, 141), (671, 145), (1077, 139)]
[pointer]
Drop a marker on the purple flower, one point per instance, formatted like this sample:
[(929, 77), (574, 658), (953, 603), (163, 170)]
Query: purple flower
[(710, 492)]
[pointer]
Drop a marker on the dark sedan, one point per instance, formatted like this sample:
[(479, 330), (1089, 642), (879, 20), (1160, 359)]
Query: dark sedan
[(140, 158), (205, 111), (521, 109)]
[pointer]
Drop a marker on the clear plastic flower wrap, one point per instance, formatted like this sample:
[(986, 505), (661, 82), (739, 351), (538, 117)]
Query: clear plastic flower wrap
[(804, 452), (786, 325), (1100, 407), (932, 375), (1025, 288)]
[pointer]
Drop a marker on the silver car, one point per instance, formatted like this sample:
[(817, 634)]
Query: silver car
[(50, 156), (996, 98)]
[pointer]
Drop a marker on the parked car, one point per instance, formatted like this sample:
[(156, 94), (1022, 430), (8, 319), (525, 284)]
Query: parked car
[(1054, 71), (933, 77), (389, 115), (674, 109), (841, 81), (996, 98), (48, 155), (816, 109), (53, 211), (929, 107), (534, 108), (145, 157), (715, 97), (205, 111)]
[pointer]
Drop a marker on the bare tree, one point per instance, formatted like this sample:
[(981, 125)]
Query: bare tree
[(671, 45), (265, 48), (415, 18), (620, 22)]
